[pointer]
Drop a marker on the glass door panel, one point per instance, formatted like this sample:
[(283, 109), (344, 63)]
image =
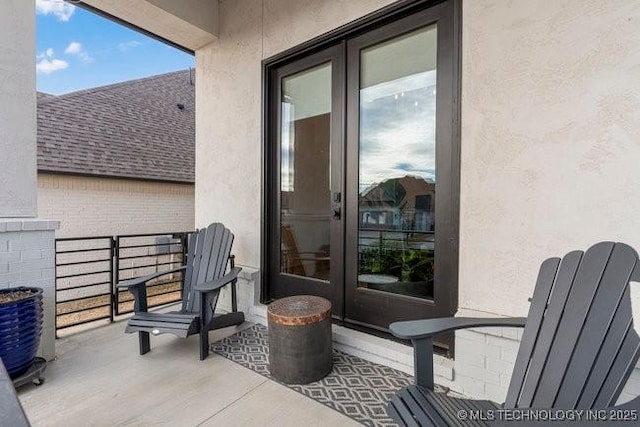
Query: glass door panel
[(401, 244), (305, 227), (305, 179), (397, 164)]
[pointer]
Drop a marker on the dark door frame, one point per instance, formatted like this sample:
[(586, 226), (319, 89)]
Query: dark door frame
[(369, 22), (378, 308), (334, 291)]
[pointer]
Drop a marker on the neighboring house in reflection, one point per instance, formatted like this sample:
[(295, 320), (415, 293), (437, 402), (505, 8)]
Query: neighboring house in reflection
[(405, 203), (119, 159)]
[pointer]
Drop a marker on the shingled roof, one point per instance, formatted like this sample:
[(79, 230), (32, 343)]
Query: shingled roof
[(133, 129)]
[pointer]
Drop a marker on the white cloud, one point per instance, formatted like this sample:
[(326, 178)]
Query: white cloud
[(49, 53), (48, 66), (397, 130), (58, 8), (125, 46), (75, 48)]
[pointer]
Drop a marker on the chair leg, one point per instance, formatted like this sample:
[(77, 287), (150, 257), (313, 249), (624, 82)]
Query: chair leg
[(204, 344), (143, 339)]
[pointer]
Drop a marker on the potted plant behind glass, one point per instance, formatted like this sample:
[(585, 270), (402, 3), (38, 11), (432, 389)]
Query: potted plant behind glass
[(20, 328)]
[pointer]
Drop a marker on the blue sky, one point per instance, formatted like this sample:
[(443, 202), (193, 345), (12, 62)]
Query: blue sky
[(76, 49)]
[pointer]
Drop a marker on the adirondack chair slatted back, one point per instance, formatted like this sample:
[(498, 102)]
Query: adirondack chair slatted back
[(579, 345), (207, 259)]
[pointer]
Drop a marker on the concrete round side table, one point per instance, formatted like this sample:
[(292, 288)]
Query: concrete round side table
[(300, 344)]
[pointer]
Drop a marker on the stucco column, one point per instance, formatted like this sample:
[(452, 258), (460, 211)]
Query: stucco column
[(27, 243), (18, 180)]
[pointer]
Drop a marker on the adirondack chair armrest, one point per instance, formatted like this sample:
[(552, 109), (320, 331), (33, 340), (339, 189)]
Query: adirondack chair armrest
[(231, 276), (418, 329), (421, 333), (138, 289), (127, 284)]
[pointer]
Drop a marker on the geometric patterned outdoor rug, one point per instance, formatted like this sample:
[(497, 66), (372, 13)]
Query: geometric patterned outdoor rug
[(357, 388)]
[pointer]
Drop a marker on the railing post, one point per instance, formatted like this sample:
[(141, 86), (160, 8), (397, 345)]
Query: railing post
[(184, 240), (55, 288), (116, 273), (112, 279)]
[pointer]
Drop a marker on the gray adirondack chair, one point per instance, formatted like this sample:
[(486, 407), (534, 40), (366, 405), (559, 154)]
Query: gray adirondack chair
[(208, 256), (578, 346)]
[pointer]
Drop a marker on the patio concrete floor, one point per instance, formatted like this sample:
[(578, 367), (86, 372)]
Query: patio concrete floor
[(99, 379)]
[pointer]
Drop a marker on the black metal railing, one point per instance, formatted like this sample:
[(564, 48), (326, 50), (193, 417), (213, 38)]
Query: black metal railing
[(88, 269), (142, 254)]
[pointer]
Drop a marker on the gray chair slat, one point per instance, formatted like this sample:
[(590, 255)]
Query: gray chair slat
[(392, 412), (625, 360), (579, 300), (546, 277), (402, 412), (186, 290), (217, 232), (601, 315), (159, 323), (213, 232), (221, 267), (219, 242), (610, 347), (220, 254), (197, 259), (547, 328), (434, 407), (164, 318), (179, 332), (443, 408), (470, 406), (213, 262), (415, 406), (180, 314)]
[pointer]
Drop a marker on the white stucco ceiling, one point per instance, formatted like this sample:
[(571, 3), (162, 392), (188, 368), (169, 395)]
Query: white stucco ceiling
[(188, 23)]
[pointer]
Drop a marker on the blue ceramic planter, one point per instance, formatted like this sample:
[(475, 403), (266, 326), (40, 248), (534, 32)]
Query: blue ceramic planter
[(20, 328)]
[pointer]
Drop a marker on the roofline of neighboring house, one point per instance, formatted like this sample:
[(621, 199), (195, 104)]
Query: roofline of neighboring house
[(122, 177), (132, 26), (52, 98)]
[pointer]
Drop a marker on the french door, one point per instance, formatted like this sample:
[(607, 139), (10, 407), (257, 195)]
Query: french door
[(362, 172), (305, 224)]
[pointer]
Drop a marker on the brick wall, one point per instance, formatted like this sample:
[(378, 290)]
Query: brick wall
[(88, 206), (484, 364), (27, 259)]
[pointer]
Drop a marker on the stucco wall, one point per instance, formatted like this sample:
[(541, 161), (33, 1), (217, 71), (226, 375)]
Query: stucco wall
[(17, 109), (228, 100), (550, 139), (87, 206), (549, 136)]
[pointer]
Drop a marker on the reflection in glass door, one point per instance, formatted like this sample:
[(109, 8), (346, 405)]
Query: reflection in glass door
[(305, 182), (397, 164), (305, 221), (401, 243)]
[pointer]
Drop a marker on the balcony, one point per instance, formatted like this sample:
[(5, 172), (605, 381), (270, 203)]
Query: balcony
[(99, 379)]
